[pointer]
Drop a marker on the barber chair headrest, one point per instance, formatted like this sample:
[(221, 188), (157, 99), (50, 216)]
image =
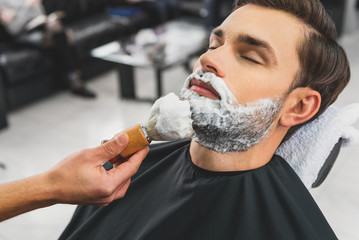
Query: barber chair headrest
[(314, 148)]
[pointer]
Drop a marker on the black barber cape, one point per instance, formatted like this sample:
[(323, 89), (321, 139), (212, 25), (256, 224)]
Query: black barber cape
[(171, 198)]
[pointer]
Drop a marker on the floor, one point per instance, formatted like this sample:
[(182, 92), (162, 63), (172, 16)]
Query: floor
[(42, 134)]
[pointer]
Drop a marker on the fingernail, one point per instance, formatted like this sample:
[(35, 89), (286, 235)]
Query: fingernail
[(122, 138)]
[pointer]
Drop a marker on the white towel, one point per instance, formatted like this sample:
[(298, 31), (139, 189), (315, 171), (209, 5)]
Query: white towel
[(307, 150)]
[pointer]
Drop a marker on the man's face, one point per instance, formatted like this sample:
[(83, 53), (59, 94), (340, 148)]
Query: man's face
[(239, 85), (254, 52)]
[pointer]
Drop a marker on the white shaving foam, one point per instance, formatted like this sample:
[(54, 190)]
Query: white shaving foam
[(170, 119), (225, 125)]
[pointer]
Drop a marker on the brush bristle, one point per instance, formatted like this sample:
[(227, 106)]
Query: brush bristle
[(170, 119), (151, 129)]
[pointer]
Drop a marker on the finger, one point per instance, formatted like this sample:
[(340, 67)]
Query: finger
[(118, 160), (112, 148), (115, 136), (135, 160), (130, 167), (122, 190), (117, 194)]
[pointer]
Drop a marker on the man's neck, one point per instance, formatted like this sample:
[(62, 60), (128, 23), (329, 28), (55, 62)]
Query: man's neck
[(255, 157)]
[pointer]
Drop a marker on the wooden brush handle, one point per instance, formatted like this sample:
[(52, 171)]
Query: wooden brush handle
[(136, 141)]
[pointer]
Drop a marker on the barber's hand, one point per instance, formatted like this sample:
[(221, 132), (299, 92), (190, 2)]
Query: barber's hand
[(81, 179)]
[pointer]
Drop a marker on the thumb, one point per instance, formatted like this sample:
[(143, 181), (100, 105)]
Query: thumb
[(112, 148)]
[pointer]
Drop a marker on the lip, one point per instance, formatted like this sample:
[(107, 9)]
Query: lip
[(204, 89)]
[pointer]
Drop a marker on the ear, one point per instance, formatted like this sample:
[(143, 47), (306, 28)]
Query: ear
[(301, 105)]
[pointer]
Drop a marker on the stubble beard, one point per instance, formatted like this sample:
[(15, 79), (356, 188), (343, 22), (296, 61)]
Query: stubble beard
[(225, 125)]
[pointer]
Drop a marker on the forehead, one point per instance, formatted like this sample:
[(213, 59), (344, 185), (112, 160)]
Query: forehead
[(279, 29)]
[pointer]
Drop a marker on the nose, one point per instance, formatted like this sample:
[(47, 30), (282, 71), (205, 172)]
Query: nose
[(213, 61)]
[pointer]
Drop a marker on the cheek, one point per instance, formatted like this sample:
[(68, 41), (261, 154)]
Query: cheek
[(248, 86)]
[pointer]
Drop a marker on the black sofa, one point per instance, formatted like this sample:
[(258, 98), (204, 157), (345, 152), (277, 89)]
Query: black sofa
[(29, 73)]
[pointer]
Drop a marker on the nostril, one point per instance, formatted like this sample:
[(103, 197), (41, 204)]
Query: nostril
[(211, 69)]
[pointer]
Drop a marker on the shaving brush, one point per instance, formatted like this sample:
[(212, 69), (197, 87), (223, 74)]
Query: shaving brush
[(170, 119)]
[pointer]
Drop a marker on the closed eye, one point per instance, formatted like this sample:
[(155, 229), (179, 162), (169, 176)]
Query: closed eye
[(250, 59)]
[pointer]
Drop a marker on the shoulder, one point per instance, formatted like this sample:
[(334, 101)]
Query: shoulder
[(296, 200), (285, 178)]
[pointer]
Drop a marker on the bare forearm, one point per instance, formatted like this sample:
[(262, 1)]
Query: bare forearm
[(78, 179), (24, 195)]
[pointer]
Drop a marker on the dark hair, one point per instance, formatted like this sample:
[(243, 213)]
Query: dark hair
[(324, 66)]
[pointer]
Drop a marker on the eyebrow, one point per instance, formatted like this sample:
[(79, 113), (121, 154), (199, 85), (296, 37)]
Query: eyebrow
[(250, 40)]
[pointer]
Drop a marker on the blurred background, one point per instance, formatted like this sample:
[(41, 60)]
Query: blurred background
[(93, 68)]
